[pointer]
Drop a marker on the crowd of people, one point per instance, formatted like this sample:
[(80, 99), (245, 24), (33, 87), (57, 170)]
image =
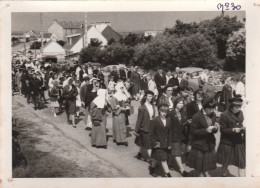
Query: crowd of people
[(174, 123)]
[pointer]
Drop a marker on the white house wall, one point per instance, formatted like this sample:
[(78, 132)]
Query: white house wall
[(57, 29), (94, 33)]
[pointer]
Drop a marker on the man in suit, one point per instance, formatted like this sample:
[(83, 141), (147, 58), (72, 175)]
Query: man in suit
[(160, 80)]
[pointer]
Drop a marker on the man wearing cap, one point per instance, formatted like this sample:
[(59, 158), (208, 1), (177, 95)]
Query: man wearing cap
[(202, 156), (160, 80)]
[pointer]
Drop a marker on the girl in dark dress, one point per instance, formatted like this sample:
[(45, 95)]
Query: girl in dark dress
[(146, 113), (178, 123), (160, 140), (231, 150), (70, 93), (202, 156)]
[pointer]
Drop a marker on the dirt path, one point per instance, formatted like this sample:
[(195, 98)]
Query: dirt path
[(50, 153), (55, 149)]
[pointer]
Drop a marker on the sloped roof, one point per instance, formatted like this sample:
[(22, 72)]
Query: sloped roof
[(110, 33), (46, 35), (68, 46), (48, 43), (70, 24)]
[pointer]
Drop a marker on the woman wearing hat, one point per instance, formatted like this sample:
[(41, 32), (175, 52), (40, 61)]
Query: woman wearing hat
[(202, 156), (70, 93), (97, 110), (231, 150), (120, 103), (146, 113), (159, 134), (178, 123)]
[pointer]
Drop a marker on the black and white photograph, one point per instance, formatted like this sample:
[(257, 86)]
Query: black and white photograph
[(128, 94)]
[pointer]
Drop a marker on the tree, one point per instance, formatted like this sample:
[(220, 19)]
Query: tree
[(116, 53), (182, 29), (236, 47), (89, 54), (95, 43), (193, 50), (132, 39), (61, 42), (219, 30), (35, 45), (111, 41)]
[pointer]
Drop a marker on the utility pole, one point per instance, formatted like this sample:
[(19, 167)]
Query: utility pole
[(85, 36), (41, 29)]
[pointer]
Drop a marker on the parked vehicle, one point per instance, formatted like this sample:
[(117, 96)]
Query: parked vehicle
[(194, 80)]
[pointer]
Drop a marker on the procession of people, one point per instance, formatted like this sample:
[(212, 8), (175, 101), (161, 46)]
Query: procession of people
[(174, 125)]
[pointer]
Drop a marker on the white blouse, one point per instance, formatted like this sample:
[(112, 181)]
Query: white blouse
[(150, 109)]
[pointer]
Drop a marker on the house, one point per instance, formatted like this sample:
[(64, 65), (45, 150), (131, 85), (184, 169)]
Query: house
[(101, 31), (62, 29), (152, 33), (46, 37), (53, 49), (29, 34), (18, 34)]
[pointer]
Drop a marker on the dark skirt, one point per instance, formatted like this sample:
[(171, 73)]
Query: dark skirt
[(143, 140), (70, 107), (232, 155), (177, 148), (202, 161), (159, 154)]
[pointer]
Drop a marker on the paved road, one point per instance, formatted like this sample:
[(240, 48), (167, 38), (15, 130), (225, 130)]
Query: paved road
[(72, 146)]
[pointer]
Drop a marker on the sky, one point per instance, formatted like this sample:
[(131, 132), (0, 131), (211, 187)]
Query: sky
[(120, 21)]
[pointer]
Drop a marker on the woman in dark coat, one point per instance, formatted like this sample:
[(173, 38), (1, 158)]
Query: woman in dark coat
[(146, 113), (159, 134), (226, 94), (166, 97), (24, 76), (70, 93), (192, 108), (202, 156), (231, 150), (178, 123), (135, 82), (175, 83)]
